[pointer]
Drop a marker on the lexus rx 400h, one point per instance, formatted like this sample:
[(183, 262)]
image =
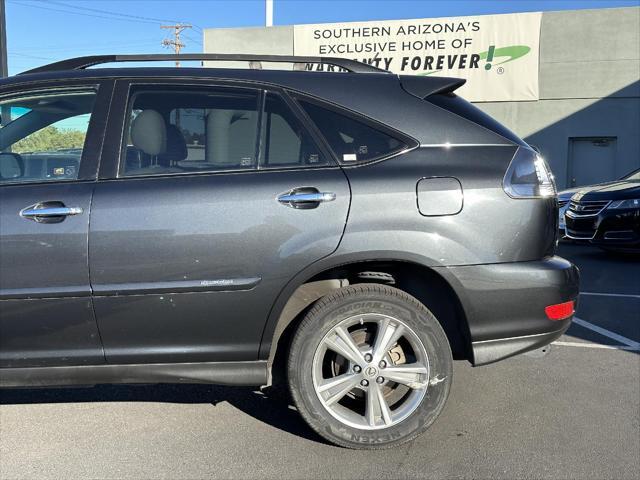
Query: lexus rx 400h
[(346, 233)]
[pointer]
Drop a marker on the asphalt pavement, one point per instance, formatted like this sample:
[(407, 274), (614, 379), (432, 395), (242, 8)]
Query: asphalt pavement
[(573, 413)]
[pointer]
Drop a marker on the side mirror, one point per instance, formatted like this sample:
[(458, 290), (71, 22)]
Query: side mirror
[(11, 166)]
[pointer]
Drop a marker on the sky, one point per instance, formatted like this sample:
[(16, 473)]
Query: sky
[(43, 31)]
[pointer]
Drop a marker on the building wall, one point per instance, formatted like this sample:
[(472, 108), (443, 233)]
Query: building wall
[(258, 40), (589, 82), (589, 87)]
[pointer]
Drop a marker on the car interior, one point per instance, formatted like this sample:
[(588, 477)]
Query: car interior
[(167, 132), (28, 116), (179, 132)]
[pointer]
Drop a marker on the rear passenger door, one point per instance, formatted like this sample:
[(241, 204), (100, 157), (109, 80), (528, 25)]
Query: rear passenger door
[(214, 197)]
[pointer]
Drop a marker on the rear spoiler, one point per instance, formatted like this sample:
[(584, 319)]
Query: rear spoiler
[(422, 87)]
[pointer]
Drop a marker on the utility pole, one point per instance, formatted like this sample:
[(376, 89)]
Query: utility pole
[(175, 42), (269, 13), (3, 42)]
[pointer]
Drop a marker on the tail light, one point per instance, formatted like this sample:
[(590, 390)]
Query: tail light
[(528, 176)]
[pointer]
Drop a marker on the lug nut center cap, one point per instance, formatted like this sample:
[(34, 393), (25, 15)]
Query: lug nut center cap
[(371, 371)]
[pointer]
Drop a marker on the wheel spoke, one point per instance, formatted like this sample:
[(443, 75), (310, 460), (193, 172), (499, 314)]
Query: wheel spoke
[(413, 375), (387, 335), (337, 387), (342, 342), (377, 407)]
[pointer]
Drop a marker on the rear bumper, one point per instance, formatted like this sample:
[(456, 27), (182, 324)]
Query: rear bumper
[(489, 351), (505, 304)]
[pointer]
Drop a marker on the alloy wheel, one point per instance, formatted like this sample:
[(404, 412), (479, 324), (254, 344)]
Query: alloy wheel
[(370, 371)]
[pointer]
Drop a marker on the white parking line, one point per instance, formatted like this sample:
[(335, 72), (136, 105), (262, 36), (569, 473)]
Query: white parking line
[(627, 343), (597, 294), (607, 333), (597, 345)]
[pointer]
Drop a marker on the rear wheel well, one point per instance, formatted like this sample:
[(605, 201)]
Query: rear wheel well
[(421, 282)]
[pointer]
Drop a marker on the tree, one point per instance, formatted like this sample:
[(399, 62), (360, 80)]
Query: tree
[(49, 139)]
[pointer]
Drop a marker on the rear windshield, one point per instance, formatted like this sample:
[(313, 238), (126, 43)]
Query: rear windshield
[(461, 107)]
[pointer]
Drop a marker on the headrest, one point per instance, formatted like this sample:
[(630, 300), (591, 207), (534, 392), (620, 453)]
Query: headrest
[(149, 132), (176, 146)]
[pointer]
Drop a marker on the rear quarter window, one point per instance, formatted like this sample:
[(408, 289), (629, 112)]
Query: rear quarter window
[(353, 140)]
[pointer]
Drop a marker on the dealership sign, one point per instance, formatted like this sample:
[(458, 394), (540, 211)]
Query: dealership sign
[(497, 54)]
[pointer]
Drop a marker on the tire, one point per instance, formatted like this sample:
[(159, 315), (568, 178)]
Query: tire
[(410, 337)]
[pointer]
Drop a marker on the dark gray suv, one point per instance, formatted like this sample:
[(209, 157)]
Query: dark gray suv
[(346, 233)]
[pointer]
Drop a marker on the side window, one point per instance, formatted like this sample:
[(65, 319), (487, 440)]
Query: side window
[(351, 140), (285, 142), (42, 136), (198, 130)]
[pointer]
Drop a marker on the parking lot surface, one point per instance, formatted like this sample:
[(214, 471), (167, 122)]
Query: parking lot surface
[(573, 413)]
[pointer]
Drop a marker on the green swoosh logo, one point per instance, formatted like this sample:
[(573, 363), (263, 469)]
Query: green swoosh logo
[(513, 52)]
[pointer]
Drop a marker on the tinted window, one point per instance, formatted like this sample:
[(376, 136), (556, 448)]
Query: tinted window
[(42, 136), (285, 141), (351, 140), (178, 131)]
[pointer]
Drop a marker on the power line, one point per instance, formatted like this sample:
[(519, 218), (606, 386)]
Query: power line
[(93, 46), (108, 12), (17, 54), (109, 15), (193, 39), (118, 15), (80, 13)]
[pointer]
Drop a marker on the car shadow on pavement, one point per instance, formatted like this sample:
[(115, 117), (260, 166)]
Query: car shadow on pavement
[(579, 252), (603, 272), (272, 407)]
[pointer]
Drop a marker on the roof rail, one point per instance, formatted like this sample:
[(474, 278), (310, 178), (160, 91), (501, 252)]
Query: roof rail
[(80, 63)]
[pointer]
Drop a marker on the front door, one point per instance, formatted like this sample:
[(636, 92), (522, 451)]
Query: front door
[(47, 175), (220, 198)]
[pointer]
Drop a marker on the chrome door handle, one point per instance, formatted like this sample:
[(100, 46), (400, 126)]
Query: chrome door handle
[(305, 198), (49, 212)]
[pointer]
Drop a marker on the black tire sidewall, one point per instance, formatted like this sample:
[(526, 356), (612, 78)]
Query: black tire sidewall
[(346, 303)]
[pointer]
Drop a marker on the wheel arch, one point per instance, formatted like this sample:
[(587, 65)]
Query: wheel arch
[(412, 274)]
